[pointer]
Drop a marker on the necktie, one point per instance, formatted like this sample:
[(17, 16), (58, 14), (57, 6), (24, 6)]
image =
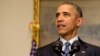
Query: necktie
[(66, 50)]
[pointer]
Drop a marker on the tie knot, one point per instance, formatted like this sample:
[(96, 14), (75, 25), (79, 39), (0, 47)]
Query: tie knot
[(67, 44), (66, 50)]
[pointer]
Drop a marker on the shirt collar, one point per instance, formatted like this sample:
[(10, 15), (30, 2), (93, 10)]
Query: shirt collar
[(70, 41)]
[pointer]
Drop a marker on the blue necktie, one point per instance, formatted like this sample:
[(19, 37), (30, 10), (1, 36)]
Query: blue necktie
[(66, 50)]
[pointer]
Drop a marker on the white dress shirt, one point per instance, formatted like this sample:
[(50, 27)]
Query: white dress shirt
[(70, 41)]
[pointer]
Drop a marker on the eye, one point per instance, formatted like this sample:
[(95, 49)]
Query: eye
[(66, 14), (57, 14)]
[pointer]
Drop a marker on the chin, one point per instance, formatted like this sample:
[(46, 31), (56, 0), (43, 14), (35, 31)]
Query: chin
[(61, 33)]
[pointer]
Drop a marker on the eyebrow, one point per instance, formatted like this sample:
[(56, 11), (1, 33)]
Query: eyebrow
[(66, 13)]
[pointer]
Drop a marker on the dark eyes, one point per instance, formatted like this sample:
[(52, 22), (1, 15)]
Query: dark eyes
[(57, 14), (63, 14), (66, 14)]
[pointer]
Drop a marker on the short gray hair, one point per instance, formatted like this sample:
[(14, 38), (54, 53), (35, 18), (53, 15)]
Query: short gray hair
[(78, 9)]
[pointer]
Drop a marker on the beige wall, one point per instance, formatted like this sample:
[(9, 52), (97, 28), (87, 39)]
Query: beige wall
[(15, 37)]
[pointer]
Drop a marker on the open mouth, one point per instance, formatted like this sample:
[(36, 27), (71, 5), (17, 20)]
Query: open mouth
[(60, 25)]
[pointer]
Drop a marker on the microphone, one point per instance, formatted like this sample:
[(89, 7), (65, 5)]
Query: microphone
[(75, 47), (57, 48)]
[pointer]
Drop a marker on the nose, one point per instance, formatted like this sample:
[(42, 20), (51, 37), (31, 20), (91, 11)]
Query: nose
[(60, 18)]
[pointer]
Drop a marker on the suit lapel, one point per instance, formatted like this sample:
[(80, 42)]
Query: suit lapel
[(82, 51)]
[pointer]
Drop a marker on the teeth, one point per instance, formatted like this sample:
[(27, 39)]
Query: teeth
[(61, 25)]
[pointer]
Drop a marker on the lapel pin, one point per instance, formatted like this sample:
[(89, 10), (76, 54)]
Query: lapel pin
[(83, 51)]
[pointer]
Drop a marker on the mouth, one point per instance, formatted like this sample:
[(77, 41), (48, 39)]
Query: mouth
[(60, 25)]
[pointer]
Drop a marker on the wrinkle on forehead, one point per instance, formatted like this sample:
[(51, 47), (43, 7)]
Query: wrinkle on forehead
[(67, 8)]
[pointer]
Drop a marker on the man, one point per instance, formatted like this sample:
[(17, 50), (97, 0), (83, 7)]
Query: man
[(68, 19)]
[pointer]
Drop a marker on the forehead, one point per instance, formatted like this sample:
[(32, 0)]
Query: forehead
[(66, 8)]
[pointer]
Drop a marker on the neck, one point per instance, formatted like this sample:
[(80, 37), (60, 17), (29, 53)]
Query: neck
[(69, 36)]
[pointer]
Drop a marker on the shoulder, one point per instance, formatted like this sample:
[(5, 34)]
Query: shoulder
[(88, 45), (46, 47), (44, 50), (50, 46), (92, 47)]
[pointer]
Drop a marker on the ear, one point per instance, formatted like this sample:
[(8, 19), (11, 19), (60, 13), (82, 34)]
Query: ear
[(79, 21)]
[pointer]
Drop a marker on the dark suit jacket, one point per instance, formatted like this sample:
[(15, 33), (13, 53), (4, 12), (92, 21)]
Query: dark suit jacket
[(86, 50)]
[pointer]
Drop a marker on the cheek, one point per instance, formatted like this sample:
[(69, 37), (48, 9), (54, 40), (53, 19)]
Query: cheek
[(71, 24)]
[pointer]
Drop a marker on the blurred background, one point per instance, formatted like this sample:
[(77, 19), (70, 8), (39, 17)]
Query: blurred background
[(15, 36), (15, 15)]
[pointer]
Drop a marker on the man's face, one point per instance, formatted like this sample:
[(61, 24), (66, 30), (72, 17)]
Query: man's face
[(66, 19)]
